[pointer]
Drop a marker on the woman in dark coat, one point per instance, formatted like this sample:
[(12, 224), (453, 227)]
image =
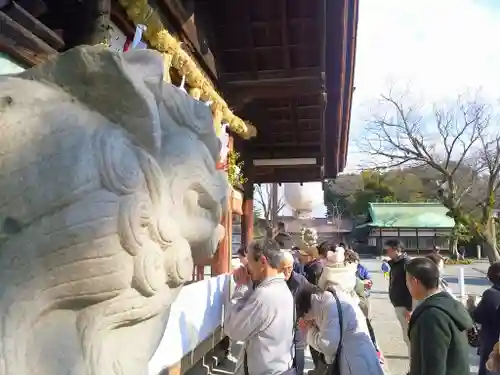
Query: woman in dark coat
[(487, 314)]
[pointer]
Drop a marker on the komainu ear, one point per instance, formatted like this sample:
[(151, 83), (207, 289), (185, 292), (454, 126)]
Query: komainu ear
[(136, 75)]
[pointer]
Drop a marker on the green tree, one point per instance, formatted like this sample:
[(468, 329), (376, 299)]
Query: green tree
[(407, 187), (352, 196), (375, 189)]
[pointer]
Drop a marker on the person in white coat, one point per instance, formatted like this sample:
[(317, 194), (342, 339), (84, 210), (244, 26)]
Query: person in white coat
[(320, 315), (318, 307)]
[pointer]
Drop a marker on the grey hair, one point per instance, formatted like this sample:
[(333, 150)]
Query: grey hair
[(287, 257), (270, 249)]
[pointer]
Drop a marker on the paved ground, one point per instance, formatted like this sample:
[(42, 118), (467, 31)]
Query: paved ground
[(384, 321)]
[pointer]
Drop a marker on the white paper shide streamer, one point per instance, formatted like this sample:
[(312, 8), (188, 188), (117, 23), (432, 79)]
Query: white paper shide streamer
[(224, 140), (139, 30)]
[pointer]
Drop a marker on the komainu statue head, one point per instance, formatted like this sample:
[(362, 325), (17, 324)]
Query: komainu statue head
[(108, 195)]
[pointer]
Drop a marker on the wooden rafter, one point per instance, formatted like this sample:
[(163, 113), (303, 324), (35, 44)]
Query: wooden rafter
[(294, 119), (191, 34), (31, 48), (311, 150), (283, 145), (276, 88), (296, 21), (21, 54), (269, 175), (270, 48), (30, 23), (301, 107), (270, 74), (323, 49), (249, 45), (284, 36), (299, 121)]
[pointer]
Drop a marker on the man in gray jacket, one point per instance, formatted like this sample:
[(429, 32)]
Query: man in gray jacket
[(263, 316)]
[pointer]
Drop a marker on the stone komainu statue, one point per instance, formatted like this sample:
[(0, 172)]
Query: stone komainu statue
[(108, 194)]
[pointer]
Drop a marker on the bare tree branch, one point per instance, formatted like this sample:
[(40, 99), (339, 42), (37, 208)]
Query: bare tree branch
[(337, 215), (263, 200), (281, 205), (459, 142)]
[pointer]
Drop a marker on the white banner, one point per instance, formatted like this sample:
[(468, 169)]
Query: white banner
[(194, 316)]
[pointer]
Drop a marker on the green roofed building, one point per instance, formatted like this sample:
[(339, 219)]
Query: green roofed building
[(419, 226)]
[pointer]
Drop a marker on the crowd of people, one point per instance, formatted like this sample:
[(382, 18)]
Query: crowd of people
[(317, 295)]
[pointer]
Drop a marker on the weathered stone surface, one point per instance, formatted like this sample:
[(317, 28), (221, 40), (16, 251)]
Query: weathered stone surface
[(108, 194)]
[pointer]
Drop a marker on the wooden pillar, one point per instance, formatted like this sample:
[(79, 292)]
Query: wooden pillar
[(381, 241), (221, 262), (220, 259), (274, 206), (247, 218), (229, 236), (418, 242), (200, 273)]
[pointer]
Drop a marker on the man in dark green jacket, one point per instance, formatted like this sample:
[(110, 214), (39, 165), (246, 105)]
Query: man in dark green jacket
[(438, 326)]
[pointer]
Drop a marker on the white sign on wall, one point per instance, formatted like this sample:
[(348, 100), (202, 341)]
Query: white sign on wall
[(190, 322)]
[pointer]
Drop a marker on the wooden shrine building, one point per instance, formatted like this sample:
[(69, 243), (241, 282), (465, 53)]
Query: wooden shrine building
[(279, 73), (285, 66)]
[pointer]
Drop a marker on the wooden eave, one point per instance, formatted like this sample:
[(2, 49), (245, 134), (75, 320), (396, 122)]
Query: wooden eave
[(342, 34), (276, 62)]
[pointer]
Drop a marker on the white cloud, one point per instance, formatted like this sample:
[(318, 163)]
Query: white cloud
[(439, 48)]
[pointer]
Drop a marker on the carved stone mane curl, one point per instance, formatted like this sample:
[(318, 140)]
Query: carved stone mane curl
[(108, 191)]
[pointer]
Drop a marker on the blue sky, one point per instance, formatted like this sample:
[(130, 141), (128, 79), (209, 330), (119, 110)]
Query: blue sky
[(438, 48)]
